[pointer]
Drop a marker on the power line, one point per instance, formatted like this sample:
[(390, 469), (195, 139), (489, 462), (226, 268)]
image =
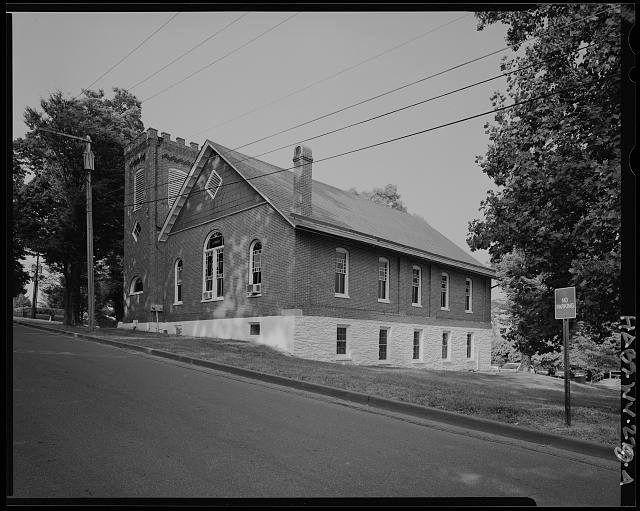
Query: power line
[(187, 52), (128, 54), (349, 68), (219, 59), (386, 113), (205, 214), (348, 107), (413, 105), (377, 144), (393, 90)]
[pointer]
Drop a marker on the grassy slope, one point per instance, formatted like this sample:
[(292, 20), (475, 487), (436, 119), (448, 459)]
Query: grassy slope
[(530, 400)]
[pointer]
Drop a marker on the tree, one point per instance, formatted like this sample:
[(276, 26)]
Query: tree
[(22, 301), (19, 276), (54, 200), (53, 290), (554, 220), (387, 196), (584, 353), (502, 349)]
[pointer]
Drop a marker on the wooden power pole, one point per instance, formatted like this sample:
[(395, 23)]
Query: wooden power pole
[(88, 167), (34, 298)]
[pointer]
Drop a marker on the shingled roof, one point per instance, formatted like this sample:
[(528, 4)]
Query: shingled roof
[(334, 212), (341, 213)]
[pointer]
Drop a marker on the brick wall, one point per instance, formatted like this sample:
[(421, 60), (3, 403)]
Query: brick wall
[(481, 295), (155, 155), (315, 267), (239, 230), (298, 268), (234, 195)]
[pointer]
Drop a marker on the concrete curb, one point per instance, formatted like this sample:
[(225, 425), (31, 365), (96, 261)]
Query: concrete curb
[(423, 412)]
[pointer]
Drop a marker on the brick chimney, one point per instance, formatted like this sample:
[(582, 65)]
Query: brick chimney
[(302, 183)]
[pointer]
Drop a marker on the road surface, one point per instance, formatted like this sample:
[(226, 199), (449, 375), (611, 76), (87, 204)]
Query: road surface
[(91, 420)]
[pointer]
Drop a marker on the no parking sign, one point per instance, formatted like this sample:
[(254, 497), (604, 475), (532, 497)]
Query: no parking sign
[(565, 303)]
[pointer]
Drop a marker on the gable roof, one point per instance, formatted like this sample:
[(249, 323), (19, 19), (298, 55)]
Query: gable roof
[(340, 213)]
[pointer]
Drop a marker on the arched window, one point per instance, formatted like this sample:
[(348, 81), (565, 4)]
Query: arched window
[(136, 286), (255, 268), (212, 271), (383, 280), (177, 294), (444, 292), (342, 273)]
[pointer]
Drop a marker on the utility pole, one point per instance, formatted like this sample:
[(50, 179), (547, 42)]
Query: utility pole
[(88, 167), (34, 301)]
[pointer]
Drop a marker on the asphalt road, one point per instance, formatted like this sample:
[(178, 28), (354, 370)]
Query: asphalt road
[(94, 421)]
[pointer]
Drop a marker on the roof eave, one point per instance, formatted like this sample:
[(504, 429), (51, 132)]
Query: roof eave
[(312, 225), (248, 181), (187, 185)]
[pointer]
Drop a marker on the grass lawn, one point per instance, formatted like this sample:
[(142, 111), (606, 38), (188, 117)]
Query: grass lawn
[(531, 400)]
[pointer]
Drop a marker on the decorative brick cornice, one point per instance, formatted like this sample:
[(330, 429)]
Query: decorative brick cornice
[(138, 159), (175, 159)]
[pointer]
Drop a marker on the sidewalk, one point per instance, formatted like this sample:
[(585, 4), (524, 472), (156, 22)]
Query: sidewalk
[(367, 385)]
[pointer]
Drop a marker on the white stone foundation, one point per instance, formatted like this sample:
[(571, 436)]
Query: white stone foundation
[(314, 337), (275, 331)]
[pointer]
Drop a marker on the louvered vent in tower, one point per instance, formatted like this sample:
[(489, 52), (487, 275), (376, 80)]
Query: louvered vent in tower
[(176, 178)]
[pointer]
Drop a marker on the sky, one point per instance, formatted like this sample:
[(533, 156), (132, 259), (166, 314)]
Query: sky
[(338, 58)]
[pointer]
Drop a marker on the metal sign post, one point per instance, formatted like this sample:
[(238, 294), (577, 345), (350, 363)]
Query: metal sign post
[(565, 306)]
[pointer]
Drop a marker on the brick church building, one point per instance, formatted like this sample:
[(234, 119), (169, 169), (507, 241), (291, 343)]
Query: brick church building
[(219, 244)]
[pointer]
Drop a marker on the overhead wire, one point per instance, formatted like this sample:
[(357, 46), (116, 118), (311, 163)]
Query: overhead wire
[(392, 111), (128, 54), (420, 80), (413, 105), (205, 214), (395, 139), (322, 80), (388, 113), (219, 59), (187, 52)]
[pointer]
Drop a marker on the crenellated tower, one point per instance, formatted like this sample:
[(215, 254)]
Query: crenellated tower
[(155, 168)]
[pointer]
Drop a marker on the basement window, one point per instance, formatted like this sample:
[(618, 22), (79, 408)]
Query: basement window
[(254, 328), (446, 346), (341, 340), (382, 344), (416, 344)]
